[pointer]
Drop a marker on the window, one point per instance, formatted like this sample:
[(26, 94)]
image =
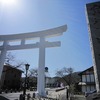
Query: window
[(88, 78), (83, 78), (92, 78)]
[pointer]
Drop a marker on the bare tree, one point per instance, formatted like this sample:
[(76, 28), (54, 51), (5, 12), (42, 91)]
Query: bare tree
[(9, 58), (33, 72), (32, 77), (66, 75)]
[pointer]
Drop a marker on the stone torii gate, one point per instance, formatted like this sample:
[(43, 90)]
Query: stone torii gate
[(42, 35)]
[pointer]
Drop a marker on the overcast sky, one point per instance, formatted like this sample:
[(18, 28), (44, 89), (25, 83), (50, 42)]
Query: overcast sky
[(24, 16)]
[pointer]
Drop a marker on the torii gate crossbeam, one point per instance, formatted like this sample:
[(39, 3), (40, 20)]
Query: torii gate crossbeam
[(41, 45)]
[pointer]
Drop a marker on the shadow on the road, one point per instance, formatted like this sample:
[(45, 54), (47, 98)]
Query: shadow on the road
[(3, 98)]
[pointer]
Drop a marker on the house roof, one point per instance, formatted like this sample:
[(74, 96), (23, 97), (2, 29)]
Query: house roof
[(91, 68), (10, 66)]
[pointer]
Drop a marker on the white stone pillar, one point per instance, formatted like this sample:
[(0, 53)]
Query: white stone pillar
[(41, 69), (2, 59)]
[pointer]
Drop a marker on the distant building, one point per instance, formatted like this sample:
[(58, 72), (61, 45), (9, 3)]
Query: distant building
[(63, 81), (51, 81), (11, 77), (87, 80)]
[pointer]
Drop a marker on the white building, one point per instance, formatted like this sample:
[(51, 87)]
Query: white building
[(87, 80)]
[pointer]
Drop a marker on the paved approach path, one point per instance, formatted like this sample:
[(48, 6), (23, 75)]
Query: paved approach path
[(60, 95), (51, 93)]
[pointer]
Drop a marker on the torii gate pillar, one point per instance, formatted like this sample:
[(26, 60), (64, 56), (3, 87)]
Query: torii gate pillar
[(2, 59), (41, 69)]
